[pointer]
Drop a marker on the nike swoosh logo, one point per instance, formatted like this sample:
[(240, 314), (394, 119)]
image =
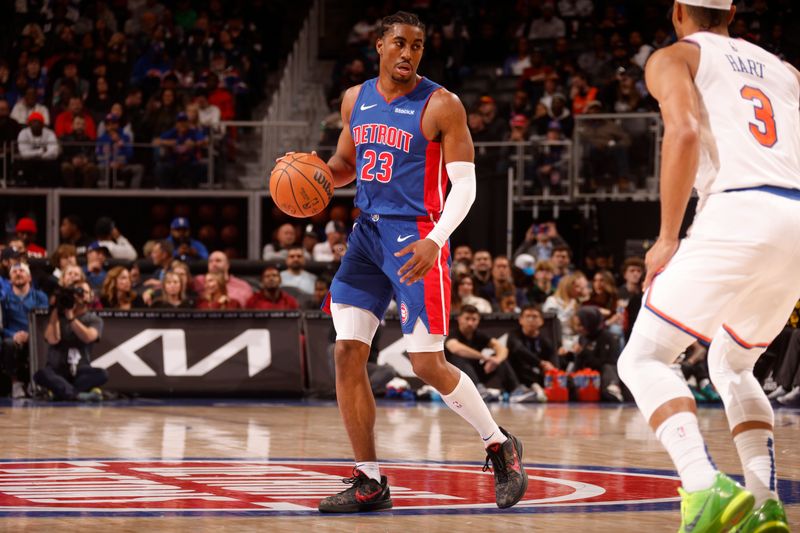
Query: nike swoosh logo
[(401, 239), (690, 526), (365, 107), (366, 497)]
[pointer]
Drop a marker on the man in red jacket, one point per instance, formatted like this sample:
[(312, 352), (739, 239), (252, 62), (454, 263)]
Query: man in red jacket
[(271, 296), (63, 125)]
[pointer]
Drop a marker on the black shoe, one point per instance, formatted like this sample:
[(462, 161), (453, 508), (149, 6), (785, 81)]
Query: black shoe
[(510, 478), (364, 495)]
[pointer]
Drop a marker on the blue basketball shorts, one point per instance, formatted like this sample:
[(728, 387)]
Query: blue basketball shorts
[(367, 277)]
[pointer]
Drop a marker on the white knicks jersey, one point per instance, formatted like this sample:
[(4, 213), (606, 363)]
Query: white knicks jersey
[(750, 117)]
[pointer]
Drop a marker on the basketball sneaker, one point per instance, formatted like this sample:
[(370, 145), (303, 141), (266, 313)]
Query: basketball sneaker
[(769, 518), (364, 494), (510, 478), (716, 508)]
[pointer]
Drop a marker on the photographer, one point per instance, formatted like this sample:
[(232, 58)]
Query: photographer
[(71, 331)]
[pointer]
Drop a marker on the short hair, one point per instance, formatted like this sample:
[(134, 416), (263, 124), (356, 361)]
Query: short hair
[(544, 264), (270, 267), (401, 17), (632, 262), (469, 310), (706, 17), (561, 248), (531, 307), (166, 246), (296, 247), (75, 220)]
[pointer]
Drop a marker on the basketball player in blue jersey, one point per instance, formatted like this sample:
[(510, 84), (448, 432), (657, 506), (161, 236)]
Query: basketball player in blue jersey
[(403, 138)]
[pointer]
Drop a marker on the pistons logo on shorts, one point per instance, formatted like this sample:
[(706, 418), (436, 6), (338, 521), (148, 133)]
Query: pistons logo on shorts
[(403, 312)]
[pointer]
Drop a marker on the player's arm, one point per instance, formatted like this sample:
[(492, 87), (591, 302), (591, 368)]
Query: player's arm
[(668, 74), (343, 162), (459, 154)]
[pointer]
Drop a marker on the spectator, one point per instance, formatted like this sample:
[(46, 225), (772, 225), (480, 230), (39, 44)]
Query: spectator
[(592, 61), (72, 80), (508, 303), (606, 145), (71, 233), (464, 294), (100, 99), (161, 255), (173, 293), (516, 63), (581, 93), (220, 97), (548, 26), (295, 274), (285, 238), (65, 119), (561, 260), (496, 126), (185, 247), (501, 283), (565, 302), (16, 304), (604, 297), (598, 350), (115, 153), (38, 151), (271, 296), (72, 273), (553, 160), (238, 289), (537, 242), (78, 168), (70, 334), (182, 270), (641, 50), (64, 256), (117, 291), (179, 165), (28, 105), (321, 287), (481, 269), (334, 246), (109, 237), (529, 353), (9, 128), (551, 88), (520, 131), (8, 258), (482, 358), (26, 231), (632, 274), (542, 287), (96, 256), (463, 254), (215, 293), (309, 241), (521, 104), (208, 114)]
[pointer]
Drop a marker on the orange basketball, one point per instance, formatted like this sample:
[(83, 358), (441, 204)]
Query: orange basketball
[(301, 185)]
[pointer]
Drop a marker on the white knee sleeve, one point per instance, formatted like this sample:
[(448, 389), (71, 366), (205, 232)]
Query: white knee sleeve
[(353, 323), (644, 368), (420, 341), (730, 367)]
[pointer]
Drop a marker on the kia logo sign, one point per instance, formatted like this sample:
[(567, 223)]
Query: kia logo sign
[(174, 353)]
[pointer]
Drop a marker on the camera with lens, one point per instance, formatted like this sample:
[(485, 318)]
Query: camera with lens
[(65, 297)]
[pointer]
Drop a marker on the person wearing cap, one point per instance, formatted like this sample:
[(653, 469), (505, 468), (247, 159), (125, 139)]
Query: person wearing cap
[(114, 151), (29, 104), (26, 231), (16, 304), (109, 237), (95, 269), (334, 247), (184, 247), (78, 168), (179, 166), (38, 151)]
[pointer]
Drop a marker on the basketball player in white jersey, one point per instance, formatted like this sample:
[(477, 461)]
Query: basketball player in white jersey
[(731, 130)]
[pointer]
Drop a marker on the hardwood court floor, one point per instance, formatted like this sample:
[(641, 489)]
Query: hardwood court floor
[(241, 466)]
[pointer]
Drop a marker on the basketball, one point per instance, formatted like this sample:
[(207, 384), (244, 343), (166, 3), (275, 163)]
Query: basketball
[(301, 185)]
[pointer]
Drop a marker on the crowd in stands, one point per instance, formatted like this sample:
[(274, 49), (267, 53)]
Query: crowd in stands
[(132, 91)]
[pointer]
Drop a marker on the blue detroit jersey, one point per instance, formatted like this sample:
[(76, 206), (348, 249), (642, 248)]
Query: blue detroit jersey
[(398, 171)]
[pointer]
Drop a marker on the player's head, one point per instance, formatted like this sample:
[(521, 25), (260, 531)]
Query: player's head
[(689, 16), (401, 38)]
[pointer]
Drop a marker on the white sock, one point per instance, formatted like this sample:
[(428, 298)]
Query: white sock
[(681, 436), (756, 450), (466, 401), (370, 469)]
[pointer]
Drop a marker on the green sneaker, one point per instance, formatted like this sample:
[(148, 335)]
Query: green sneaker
[(715, 509), (769, 518)]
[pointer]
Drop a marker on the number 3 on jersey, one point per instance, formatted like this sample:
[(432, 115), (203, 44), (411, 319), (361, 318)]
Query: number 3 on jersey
[(383, 172), (764, 132)]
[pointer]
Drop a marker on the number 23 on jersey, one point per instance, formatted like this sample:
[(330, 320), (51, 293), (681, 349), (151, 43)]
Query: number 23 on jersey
[(378, 166)]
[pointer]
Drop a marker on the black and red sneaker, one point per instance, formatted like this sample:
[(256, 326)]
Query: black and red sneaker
[(364, 494), (510, 478)]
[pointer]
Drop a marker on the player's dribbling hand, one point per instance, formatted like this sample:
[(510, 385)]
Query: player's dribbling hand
[(287, 154), (425, 253), (657, 258)]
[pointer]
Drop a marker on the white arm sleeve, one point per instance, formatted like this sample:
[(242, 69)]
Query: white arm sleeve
[(458, 202)]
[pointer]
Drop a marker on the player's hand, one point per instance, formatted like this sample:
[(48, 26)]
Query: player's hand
[(425, 254), (657, 258), (287, 154)]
